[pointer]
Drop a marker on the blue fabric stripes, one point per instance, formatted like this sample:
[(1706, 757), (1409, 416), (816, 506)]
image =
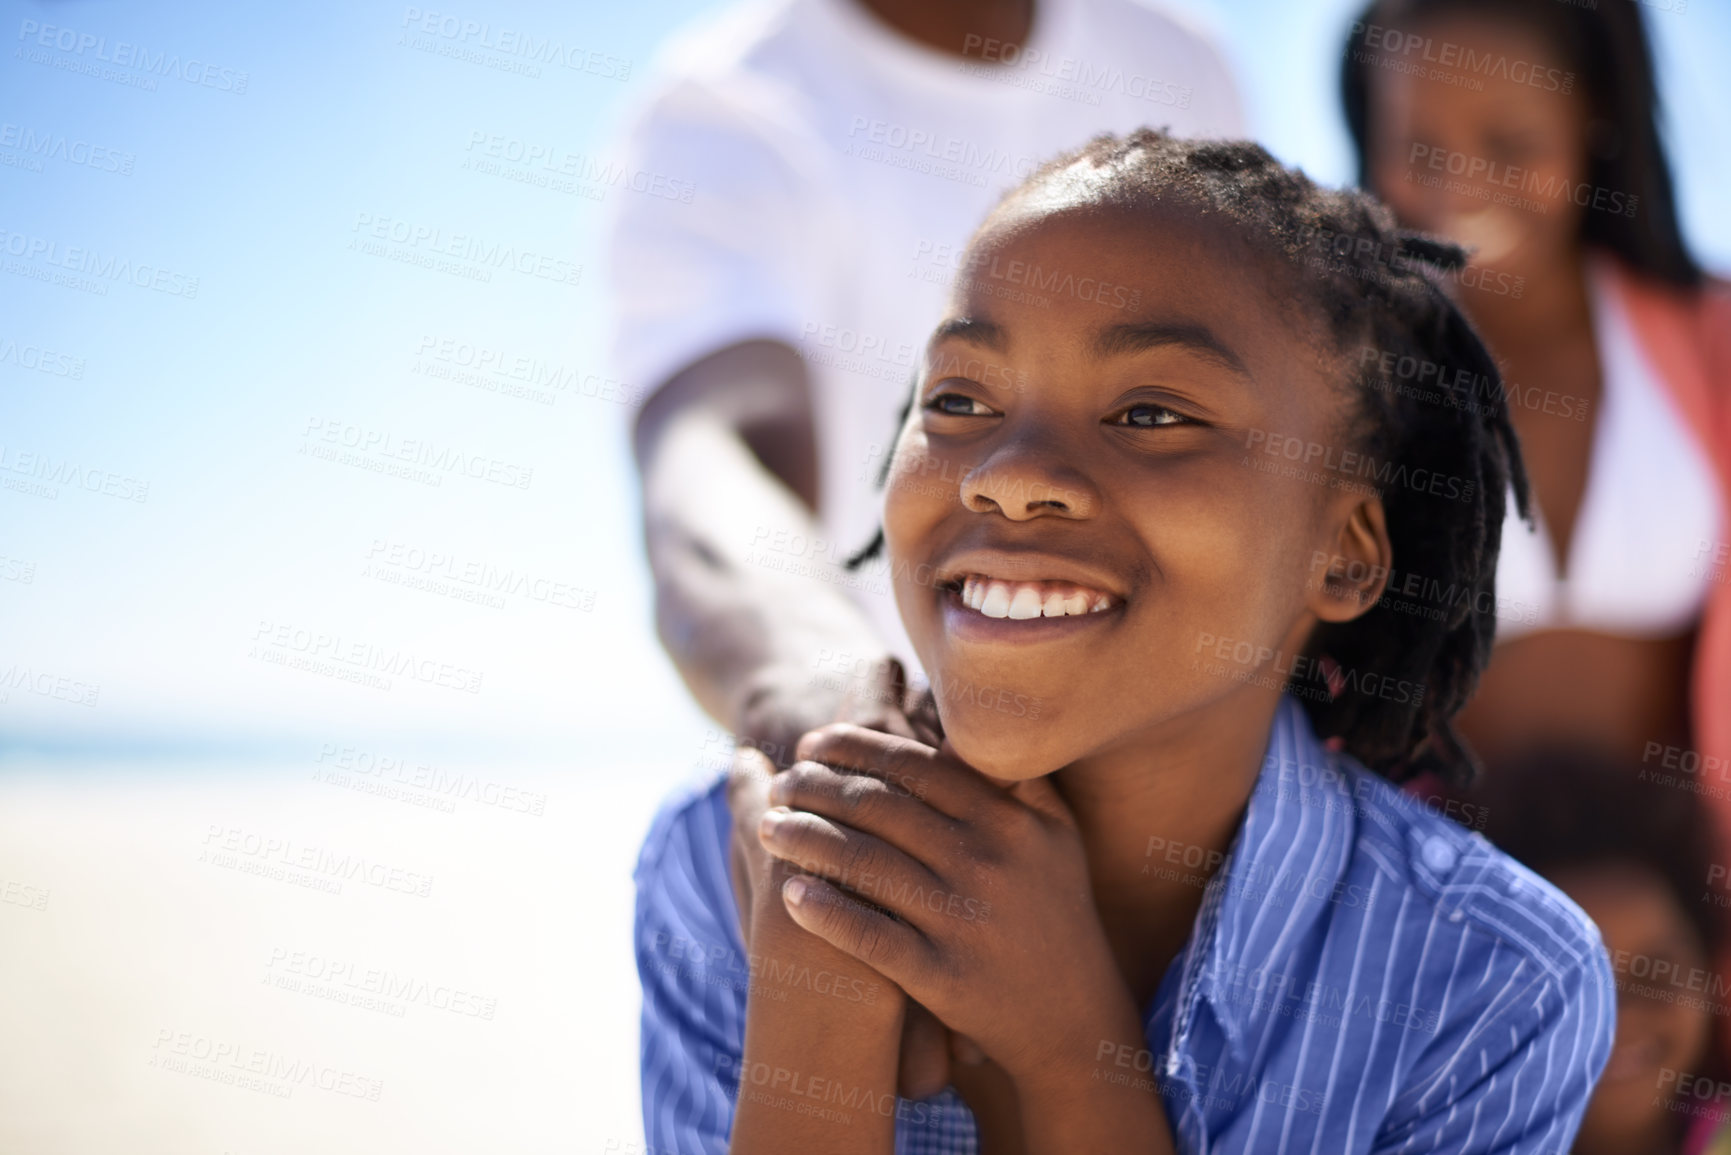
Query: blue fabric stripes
[(1363, 976)]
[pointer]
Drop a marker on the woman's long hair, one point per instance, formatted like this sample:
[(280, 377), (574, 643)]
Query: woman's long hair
[(1606, 46)]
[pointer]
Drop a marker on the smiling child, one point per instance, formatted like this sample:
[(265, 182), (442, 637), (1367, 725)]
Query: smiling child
[(1167, 908)]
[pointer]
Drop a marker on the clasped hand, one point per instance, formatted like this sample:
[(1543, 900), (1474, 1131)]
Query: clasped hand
[(970, 895)]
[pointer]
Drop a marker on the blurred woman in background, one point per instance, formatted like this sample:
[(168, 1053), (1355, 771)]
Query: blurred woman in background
[(1637, 854), (1527, 131)]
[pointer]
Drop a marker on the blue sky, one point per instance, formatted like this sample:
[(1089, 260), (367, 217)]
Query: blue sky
[(200, 531)]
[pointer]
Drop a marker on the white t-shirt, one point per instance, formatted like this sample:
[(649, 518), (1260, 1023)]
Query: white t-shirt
[(828, 173)]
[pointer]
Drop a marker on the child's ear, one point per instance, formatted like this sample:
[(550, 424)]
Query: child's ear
[(1345, 581)]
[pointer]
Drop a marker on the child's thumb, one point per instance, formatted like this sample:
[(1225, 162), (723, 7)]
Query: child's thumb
[(1036, 793), (1041, 794)]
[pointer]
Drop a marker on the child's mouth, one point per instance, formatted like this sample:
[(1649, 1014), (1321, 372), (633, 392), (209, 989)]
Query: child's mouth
[(995, 596), (1023, 600)]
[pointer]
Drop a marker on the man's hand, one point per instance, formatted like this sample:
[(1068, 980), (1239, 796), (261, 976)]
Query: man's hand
[(780, 706)]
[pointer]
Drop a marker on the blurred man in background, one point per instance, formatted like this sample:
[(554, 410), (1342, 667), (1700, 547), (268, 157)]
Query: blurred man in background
[(841, 152)]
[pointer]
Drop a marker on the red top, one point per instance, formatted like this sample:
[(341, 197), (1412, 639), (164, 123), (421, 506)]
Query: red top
[(1687, 336)]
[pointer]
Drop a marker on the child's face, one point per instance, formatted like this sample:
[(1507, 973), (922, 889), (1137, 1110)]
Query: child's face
[(1093, 426), (1657, 1035)]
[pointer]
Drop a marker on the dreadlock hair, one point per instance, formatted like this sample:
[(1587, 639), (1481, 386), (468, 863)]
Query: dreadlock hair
[(1605, 44), (1373, 293)]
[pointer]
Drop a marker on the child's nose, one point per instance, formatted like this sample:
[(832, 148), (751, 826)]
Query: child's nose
[(1026, 485)]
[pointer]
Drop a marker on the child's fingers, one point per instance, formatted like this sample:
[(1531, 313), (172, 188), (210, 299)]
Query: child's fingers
[(949, 785), (922, 715), (854, 860), (1042, 795), (893, 949), (876, 703), (888, 810), (965, 1051)]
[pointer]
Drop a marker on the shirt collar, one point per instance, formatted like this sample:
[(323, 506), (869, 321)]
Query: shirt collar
[(1278, 882)]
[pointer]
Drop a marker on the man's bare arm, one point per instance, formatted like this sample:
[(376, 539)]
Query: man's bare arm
[(727, 455), (726, 447)]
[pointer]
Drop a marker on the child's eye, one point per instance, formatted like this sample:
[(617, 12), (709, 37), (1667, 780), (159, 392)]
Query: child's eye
[(1151, 416), (958, 405)]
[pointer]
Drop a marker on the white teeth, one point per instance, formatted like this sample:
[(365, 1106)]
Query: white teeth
[(1021, 601)]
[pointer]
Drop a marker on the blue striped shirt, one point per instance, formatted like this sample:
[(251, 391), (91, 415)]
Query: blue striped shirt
[(1363, 976)]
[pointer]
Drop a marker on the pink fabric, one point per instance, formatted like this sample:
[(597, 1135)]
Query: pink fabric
[(1687, 336), (1707, 1136)]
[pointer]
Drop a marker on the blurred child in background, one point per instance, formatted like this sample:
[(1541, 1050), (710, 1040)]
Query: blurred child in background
[(1637, 855)]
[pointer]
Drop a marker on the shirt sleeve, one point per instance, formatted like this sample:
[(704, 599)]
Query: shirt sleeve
[(727, 251), (1515, 1078), (694, 972)]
